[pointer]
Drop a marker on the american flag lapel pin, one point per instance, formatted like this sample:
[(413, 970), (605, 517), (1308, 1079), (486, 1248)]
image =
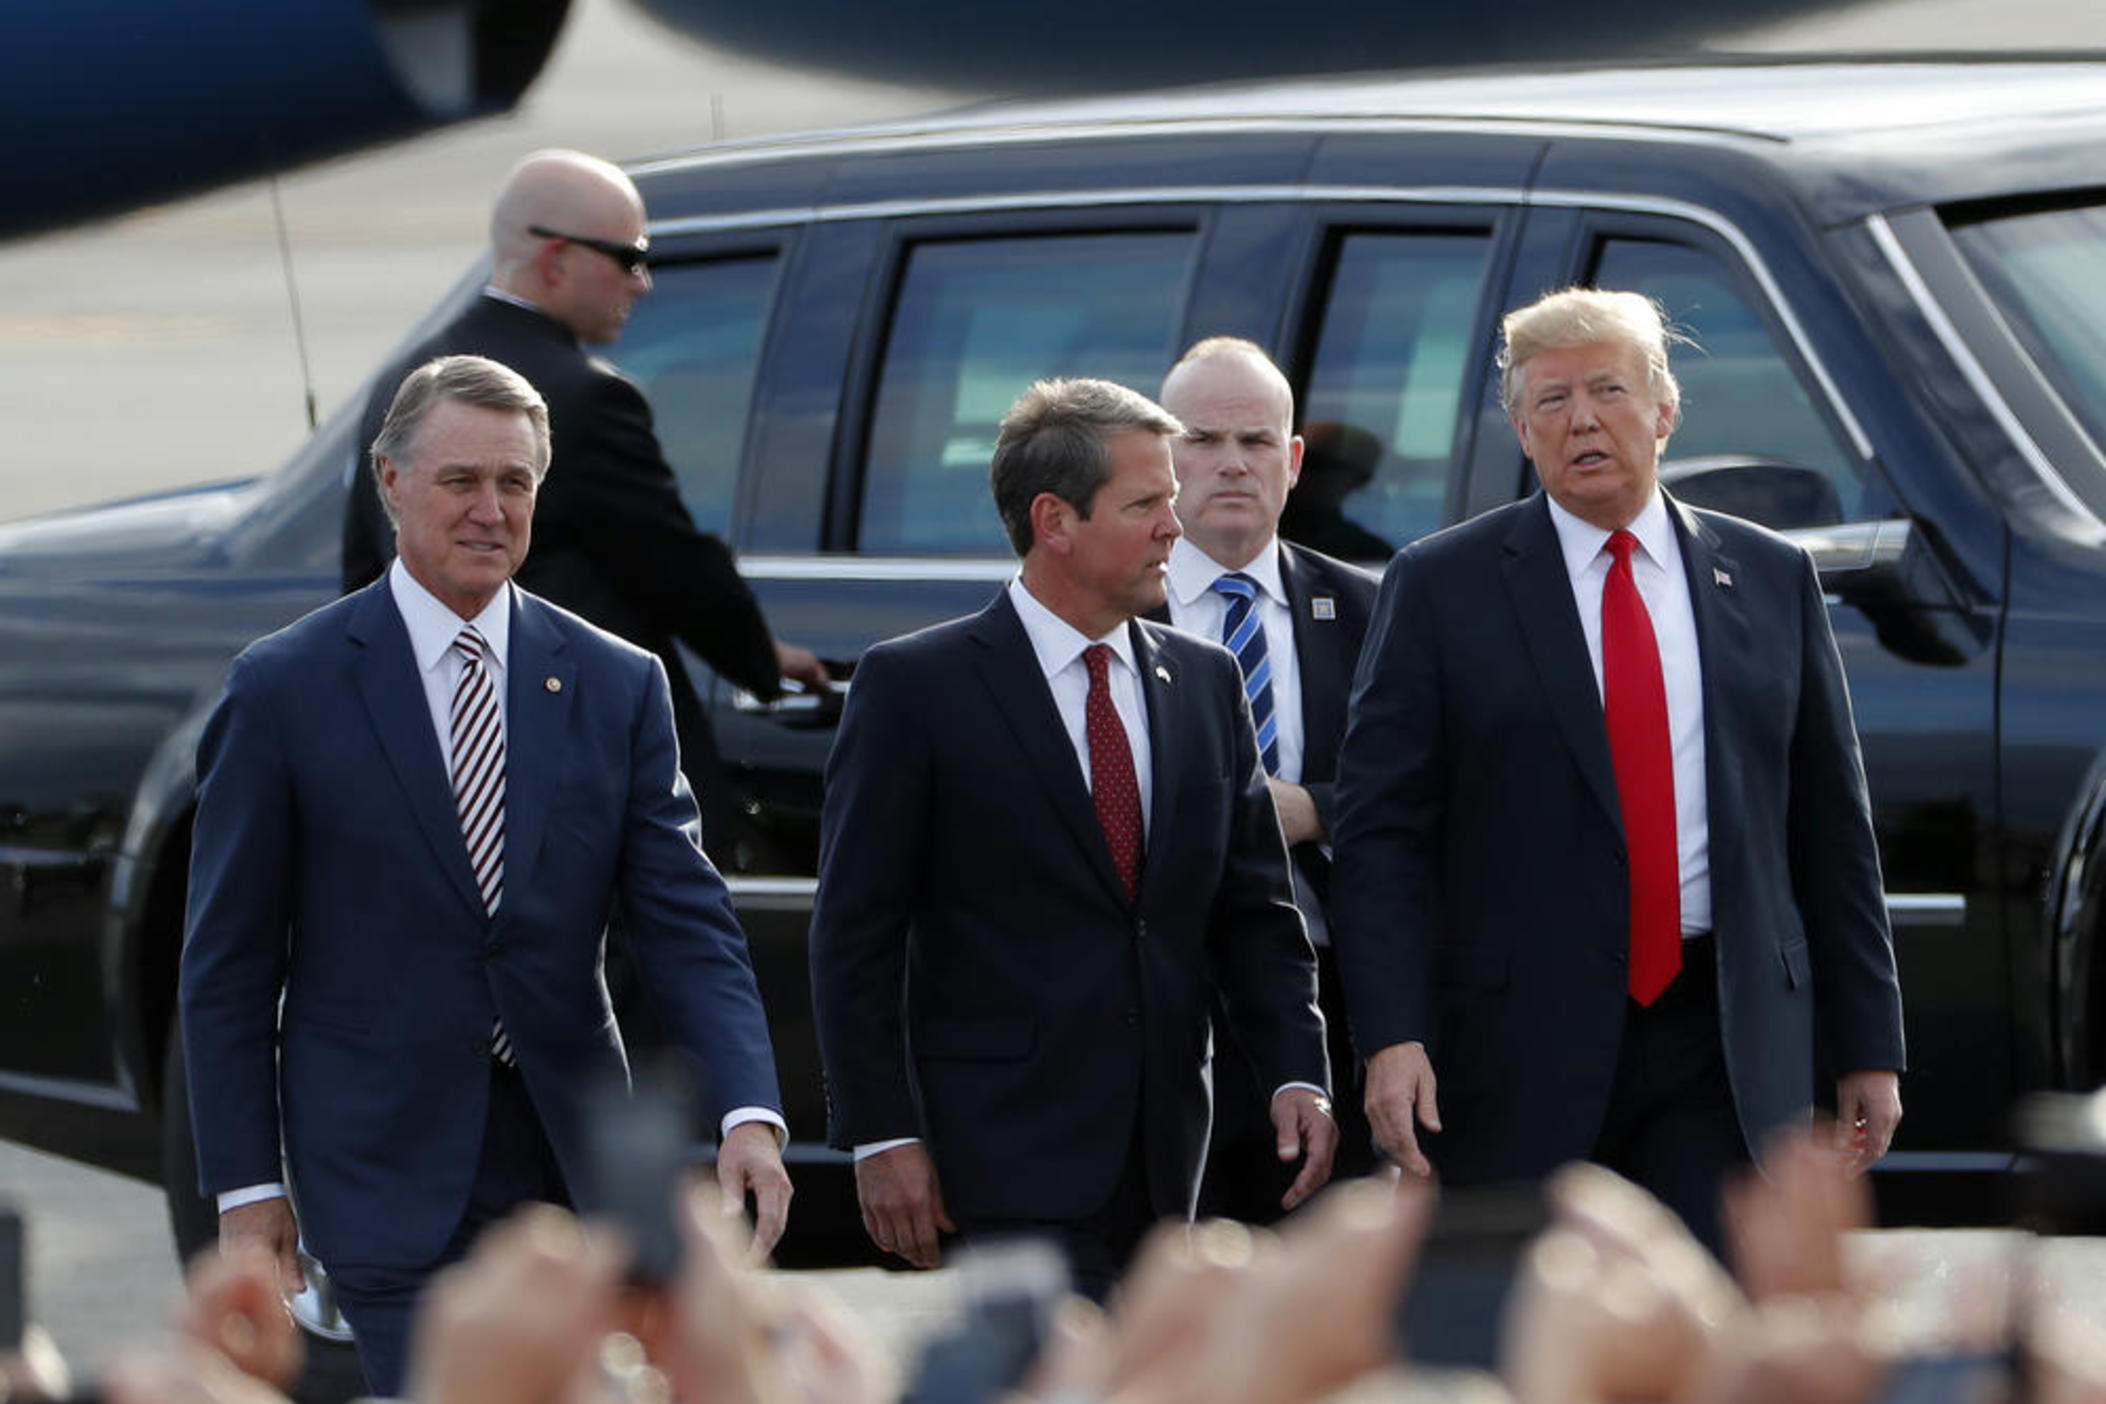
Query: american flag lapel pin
[(1721, 577), (1163, 673), (1323, 607)]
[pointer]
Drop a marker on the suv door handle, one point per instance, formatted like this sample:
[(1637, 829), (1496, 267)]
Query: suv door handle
[(799, 708)]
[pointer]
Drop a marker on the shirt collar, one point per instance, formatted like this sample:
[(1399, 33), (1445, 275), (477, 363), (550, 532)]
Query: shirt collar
[(433, 627), (1193, 572), (1582, 541), (1057, 642), (498, 294)]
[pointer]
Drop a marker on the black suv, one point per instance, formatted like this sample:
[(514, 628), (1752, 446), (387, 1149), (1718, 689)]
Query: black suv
[(1897, 274)]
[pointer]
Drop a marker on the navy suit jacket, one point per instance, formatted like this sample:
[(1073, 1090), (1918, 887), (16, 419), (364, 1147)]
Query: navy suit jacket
[(1480, 899), (979, 976), (328, 865)]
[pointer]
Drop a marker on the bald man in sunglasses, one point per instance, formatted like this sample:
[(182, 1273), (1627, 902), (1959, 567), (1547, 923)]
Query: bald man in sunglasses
[(612, 539)]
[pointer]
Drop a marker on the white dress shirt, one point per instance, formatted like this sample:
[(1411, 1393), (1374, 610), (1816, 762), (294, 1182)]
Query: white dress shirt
[(1656, 567), (1197, 608), (432, 628), (1059, 646)]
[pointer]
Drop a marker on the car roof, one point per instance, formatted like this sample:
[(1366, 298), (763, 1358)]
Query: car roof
[(1859, 135)]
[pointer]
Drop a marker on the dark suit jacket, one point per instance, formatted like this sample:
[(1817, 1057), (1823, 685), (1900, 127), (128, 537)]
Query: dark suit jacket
[(978, 975), (1326, 650), (328, 864), (1479, 898), (612, 539)]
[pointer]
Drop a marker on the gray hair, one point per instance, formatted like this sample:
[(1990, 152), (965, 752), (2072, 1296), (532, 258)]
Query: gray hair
[(1582, 317), (468, 380), (1052, 440)]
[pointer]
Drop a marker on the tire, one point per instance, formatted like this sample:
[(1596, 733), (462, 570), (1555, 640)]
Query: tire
[(331, 1374)]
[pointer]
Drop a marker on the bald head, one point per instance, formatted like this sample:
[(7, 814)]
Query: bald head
[(1230, 357), (1239, 455), (574, 201)]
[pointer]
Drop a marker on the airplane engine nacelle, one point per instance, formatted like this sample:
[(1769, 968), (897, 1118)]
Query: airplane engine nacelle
[(110, 104)]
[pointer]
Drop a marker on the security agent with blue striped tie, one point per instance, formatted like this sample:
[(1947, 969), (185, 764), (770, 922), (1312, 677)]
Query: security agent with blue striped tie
[(416, 807), (1294, 619)]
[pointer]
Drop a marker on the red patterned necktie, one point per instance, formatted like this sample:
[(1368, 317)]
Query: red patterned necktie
[(1634, 699), (1112, 784)]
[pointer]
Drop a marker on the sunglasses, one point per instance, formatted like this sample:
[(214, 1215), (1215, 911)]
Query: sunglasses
[(630, 256)]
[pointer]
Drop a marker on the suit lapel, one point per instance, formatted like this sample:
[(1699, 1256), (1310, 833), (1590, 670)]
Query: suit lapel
[(1158, 691), (1008, 668), (1541, 592), (540, 682), (393, 694), (1725, 644), (1317, 646)]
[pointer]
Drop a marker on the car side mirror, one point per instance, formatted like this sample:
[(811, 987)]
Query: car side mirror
[(1781, 496), (1858, 560)]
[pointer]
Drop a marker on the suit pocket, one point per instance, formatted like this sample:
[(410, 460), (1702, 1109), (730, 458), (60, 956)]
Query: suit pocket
[(1797, 969), (1470, 968), (975, 1040)]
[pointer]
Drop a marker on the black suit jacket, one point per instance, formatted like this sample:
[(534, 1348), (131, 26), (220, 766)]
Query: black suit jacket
[(612, 540), (980, 978), (1330, 601), (1479, 897)]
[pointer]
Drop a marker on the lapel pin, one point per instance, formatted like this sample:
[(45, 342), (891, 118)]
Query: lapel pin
[(1720, 577), (1323, 607), (1162, 672), (554, 684)]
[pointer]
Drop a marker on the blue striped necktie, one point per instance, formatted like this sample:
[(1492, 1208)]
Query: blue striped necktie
[(1244, 634)]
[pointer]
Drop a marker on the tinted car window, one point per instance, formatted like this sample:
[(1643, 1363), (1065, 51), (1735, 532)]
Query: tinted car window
[(694, 345), (1385, 391), (2046, 272), (1741, 397), (976, 321)]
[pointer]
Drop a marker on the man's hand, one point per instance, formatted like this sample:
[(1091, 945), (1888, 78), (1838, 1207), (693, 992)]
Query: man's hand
[(1867, 1109), (751, 1160), (181, 1372), (902, 1203), (518, 1321), (268, 1224), (1304, 1130), (1400, 1099), (232, 1304), (800, 663), (1298, 817)]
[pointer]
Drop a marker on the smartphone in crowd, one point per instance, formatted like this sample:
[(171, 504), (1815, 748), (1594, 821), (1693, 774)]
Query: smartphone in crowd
[(14, 1282), (1007, 1292), (639, 1143), (1453, 1311)]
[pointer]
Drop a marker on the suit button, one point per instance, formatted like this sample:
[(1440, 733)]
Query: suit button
[(1620, 958), (1140, 930), (480, 1047), (1133, 1018)]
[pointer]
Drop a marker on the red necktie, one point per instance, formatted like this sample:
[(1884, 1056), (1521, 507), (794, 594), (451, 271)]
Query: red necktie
[(1635, 701), (1112, 785)]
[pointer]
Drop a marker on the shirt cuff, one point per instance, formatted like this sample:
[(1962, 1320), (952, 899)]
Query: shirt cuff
[(250, 1194), (864, 1152), (739, 1116), (1305, 1086)]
